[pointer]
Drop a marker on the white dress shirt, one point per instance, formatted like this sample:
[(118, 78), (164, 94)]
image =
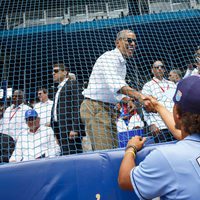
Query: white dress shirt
[(13, 121), (134, 122), (44, 111), (191, 72), (107, 78), (30, 146), (56, 98), (163, 90)]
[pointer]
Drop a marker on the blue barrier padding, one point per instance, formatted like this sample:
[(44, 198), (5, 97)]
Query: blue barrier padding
[(74, 177), (123, 137)]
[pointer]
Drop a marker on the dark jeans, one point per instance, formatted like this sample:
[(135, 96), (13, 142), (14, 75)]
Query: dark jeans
[(7, 146)]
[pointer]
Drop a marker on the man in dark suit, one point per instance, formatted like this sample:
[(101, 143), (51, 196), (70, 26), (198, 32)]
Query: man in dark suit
[(65, 120)]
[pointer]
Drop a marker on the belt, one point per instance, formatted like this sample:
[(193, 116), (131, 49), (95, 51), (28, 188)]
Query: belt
[(104, 103)]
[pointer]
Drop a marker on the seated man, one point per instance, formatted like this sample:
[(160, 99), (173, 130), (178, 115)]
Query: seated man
[(36, 142), (169, 172)]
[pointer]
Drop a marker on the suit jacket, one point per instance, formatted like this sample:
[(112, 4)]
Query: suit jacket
[(68, 118)]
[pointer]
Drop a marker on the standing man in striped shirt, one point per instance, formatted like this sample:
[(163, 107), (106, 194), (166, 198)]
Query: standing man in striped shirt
[(43, 108), (107, 87), (163, 90)]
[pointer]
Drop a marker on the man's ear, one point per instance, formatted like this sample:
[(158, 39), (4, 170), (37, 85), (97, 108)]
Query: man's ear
[(117, 43), (66, 73), (178, 115), (177, 112)]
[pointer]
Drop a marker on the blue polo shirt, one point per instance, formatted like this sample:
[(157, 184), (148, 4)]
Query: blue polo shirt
[(170, 171)]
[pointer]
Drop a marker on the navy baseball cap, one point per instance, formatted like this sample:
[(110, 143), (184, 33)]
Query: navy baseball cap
[(187, 94), (31, 113)]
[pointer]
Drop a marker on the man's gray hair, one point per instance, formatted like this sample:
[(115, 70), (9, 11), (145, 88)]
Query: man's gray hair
[(122, 34), (177, 71)]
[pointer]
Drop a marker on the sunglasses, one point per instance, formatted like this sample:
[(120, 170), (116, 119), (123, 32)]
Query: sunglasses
[(56, 71), (158, 66), (130, 40), (31, 119)]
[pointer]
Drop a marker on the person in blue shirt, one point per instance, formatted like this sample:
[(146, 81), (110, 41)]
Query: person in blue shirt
[(170, 171)]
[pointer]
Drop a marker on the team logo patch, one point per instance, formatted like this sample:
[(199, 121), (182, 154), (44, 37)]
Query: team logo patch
[(178, 95), (29, 112)]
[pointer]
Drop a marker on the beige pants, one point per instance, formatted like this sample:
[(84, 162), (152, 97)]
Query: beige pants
[(99, 119), (86, 143)]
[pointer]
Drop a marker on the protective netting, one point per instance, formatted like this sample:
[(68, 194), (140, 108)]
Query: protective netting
[(36, 35)]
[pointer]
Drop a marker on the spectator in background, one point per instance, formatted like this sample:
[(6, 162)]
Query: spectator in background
[(194, 68), (2, 110), (44, 107), (72, 76), (13, 123), (128, 120), (105, 88), (175, 75), (172, 171), (13, 119), (123, 117), (65, 120), (163, 90), (36, 142)]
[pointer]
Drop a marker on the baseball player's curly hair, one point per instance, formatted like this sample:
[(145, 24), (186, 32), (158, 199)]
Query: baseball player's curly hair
[(190, 121)]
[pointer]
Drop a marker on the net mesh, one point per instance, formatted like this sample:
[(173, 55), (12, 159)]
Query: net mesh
[(35, 35)]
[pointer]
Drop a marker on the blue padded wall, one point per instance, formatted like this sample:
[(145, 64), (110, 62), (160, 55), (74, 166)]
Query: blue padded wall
[(75, 177)]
